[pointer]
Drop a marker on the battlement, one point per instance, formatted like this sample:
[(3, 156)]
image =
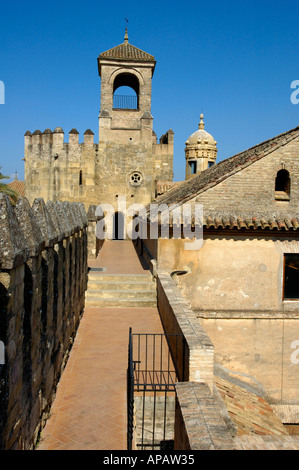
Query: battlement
[(163, 156), (165, 139), (56, 138), (43, 279)]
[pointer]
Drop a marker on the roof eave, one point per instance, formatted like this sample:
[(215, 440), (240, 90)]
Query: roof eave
[(110, 61)]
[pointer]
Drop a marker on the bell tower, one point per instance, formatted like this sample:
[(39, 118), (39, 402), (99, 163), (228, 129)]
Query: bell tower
[(126, 123)]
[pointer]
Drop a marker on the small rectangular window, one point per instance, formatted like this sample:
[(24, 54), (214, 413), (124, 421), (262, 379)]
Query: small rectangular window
[(210, 164), (193, 168), (291, 276), (80, 178)]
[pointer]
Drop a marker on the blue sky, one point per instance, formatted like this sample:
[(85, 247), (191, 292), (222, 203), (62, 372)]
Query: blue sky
[(234, 61)]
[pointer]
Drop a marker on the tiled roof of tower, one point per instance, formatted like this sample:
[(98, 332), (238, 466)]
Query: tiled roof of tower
[(127, 51), (189, 189)]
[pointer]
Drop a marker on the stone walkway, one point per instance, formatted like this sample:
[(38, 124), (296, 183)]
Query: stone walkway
[(89, 412)]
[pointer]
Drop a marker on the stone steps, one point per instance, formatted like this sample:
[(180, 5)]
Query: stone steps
[(123, 285), (120, 290), (99, 276), (124, 293), (119, 302)]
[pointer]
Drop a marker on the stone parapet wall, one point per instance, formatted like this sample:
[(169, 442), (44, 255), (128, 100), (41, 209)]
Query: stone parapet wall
[(198, 421), (200, 425), (43, 278), (178, 318)]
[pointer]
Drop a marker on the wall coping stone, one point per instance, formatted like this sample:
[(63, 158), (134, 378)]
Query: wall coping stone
[(57, 220), (82, 210), (77, 207), (13, 247), (91, 213), (204, 425), (188, 321), (25, 231), (71, 216), (61, 213), (33, 236), (45, 222)]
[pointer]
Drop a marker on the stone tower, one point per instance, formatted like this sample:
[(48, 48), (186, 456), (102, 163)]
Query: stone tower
[(126, 163), (200, 151), (126, 134)]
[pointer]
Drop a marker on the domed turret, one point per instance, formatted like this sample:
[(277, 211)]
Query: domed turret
[(200, 151)]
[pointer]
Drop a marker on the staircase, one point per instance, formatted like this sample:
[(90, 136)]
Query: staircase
[(120, 290)]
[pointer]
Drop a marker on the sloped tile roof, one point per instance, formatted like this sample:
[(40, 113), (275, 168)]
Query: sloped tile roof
[(127, 51), (189, 189), (18, 187), (163, 186), (253, 223), (231, 222), (250, 413)]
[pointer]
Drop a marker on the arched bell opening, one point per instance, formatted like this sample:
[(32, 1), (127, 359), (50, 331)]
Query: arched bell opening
[(126, 91)]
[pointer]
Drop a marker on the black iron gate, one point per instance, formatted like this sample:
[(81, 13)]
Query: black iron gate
[(130, 394), (155, 363)]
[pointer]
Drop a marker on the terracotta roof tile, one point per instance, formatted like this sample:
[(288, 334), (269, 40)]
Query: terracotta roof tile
[(254, 223), (163, 186), (251, 413), (189, 189), (231, 222), (18, 187), (127, 51)]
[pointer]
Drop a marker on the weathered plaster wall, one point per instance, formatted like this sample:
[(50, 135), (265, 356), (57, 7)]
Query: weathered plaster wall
[(259, 352), (232, 273), (234, 284)]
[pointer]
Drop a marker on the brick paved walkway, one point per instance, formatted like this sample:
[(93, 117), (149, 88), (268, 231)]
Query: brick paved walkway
[(89, 412)]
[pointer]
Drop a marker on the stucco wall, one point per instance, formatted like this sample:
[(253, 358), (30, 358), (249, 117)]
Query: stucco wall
[(234, 284), (260, 353), (232, 273)]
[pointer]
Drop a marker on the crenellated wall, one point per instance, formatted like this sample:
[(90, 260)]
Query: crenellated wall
[(43, 278), (58, 170), (163, 157), (96, 173)]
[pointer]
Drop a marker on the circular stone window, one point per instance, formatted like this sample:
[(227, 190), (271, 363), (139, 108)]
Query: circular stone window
[(136, 178)]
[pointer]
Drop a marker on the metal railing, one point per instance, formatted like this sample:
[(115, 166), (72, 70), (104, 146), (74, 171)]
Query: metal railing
[(153, 370), (125, 102), (130, 393)]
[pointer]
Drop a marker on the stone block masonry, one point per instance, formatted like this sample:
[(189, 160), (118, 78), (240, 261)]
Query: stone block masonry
[(94, 173), (43, 278), (198, 422)]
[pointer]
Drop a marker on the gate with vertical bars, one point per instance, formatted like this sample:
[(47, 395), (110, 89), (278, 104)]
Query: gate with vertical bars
[(155, 363)]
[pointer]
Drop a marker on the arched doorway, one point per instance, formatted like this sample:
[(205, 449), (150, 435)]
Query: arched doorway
[(118, 226)]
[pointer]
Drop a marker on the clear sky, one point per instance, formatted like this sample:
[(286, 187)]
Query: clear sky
[(232, 60)]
